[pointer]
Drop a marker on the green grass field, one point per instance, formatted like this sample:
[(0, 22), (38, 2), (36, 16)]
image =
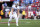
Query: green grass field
[(22, 23)]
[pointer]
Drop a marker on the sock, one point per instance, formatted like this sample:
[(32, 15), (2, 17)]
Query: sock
[(16, 21), (10, 20)]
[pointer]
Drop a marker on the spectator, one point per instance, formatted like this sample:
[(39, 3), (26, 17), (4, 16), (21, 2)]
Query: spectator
[(36, 1), (18, 0), (2, 13), (5, 4), (9, 13), (32, 1), (37, 8), (37, 14), (27, 1), (23, 13), (34, 12), (29, 7), (0, 17)]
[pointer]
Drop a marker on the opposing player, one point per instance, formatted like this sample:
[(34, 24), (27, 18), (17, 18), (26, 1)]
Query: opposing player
[(14, 14)]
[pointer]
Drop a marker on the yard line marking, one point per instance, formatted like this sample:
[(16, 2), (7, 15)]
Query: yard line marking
[(28, 22), (6, 22)]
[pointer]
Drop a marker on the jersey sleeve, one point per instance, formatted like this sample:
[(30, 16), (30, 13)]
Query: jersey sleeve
[(13, 6), (18, 7)]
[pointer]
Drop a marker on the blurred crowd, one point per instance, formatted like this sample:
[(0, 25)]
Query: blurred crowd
[(27, 5)]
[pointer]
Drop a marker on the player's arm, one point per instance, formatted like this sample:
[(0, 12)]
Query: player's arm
[(18, 11), (12, 10)]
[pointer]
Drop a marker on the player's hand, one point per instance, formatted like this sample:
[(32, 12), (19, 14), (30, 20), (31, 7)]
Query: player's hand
[(12, 12), (18, 13)]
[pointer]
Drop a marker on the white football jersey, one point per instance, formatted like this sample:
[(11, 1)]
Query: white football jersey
[(14, 7), (37, 13)]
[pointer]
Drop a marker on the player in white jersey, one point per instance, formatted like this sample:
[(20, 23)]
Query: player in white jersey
[(14, 14)]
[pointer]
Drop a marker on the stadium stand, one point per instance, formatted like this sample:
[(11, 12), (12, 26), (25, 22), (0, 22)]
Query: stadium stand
[(30, 5)]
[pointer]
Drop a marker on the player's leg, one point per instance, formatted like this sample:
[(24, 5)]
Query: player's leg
[(9, 21), (16, 18), (16, 21)]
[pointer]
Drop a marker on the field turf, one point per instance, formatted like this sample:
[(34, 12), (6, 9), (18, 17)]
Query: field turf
[(22, 23)]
